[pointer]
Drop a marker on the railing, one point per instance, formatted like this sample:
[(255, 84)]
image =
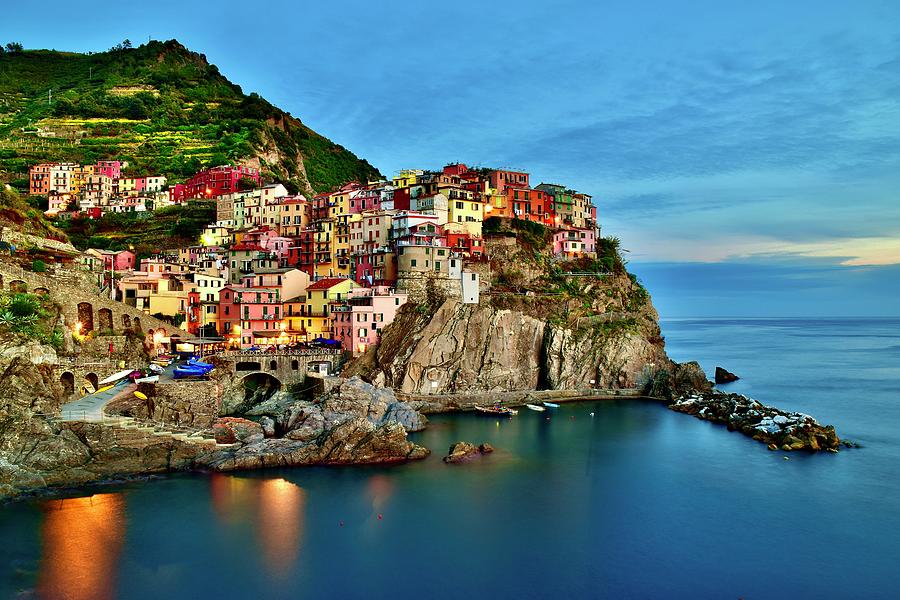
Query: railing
[(286, 352)]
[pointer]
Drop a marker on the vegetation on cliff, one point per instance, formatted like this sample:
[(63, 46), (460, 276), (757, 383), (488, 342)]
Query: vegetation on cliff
[(30, 317), (18, 214), (159, 106), (144, 233)]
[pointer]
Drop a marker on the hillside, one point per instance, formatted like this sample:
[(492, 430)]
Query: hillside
[(161, 107)]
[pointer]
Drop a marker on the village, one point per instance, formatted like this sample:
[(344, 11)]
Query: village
[(280, 270)]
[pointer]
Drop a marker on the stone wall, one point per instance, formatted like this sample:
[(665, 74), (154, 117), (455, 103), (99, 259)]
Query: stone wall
[(439, 403), (185, 403), (429, 288), (80, 301)]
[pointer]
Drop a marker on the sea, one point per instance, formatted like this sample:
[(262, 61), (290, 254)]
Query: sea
[(608, 499)]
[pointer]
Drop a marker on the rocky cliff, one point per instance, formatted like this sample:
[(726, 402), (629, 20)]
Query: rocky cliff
[(539, 327)]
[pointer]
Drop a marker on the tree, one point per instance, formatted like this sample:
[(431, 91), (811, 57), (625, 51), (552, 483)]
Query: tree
[(126, 44), (14, 47)]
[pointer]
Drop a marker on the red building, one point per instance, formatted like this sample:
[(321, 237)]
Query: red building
[(531, 205), (465, 243), (502, 180), (216, 182), (109, 168)]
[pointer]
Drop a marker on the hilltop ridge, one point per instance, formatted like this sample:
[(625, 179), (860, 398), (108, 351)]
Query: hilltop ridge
[(163, 108)]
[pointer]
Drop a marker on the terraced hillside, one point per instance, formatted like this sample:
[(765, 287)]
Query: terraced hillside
[(163, 108)]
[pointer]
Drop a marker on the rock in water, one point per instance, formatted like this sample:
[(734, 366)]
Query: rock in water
[(464, 452), (723, 376)]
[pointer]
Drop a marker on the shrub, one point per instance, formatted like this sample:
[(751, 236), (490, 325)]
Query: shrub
[(38, 266)]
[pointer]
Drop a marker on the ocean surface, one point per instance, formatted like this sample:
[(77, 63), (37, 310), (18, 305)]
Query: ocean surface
[(635, 501)]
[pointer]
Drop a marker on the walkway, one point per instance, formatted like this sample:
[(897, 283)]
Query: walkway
[(90, 408)]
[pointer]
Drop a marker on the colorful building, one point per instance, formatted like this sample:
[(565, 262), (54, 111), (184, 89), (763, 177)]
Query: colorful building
[(358, 323)]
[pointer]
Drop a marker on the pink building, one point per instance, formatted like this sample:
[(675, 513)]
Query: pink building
[(122, 260), (250, 315), (358, 322), (109, 168), (278, 245), (574, 242)]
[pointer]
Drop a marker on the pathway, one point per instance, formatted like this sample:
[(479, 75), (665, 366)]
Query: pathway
[(90, 408)]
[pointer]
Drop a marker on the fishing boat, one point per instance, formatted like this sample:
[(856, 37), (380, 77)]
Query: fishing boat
[(535, 407), (551, 404), (501, 411)]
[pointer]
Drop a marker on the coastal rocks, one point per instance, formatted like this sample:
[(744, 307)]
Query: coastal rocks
[(229, 430), (778, 429), (268, 426), (461, 452), (723, 376)]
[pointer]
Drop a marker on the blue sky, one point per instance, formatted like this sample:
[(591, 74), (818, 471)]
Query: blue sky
[(748, 154)]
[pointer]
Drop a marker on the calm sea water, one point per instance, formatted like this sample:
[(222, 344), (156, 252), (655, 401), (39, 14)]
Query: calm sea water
[(636, 501)]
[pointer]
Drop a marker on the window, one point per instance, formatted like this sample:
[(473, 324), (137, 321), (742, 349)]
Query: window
[(412, 263)]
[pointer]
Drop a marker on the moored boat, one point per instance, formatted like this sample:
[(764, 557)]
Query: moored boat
[(535, 407), (551, 404), (501, 411)]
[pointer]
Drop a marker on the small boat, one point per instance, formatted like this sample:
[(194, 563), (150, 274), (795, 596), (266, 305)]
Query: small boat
[(116, 377), (148, 379), (155, 368), (140, 396), (105, 389), (500, 411), (535, 407), (551, 404)]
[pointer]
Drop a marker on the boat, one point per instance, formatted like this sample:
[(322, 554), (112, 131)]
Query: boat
[(501, 411), (551, 404), (148, 379), (535, 407), (116, 377), (140, 396), (105, 389), (189, 371), (155, 368)]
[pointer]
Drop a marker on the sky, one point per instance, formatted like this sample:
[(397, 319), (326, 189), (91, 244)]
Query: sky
[(747, 154)]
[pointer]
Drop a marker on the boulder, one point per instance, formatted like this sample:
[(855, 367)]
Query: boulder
[(268, 426), (723, 376), (464, 452), (229, 430)]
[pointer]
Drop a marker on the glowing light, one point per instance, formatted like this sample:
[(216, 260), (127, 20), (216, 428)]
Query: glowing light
[(157, 337), (488, 208)]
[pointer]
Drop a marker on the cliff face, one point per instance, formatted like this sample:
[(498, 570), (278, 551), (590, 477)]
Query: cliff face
[(546, 330)]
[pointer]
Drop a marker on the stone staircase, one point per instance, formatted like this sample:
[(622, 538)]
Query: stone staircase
[(131, 430)]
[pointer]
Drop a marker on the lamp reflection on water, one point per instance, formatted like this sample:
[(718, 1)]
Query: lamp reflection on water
[(281, 518), (82, 540), (276, 509)]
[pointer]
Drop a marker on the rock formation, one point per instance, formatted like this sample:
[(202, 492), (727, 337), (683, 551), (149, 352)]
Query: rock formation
[(461, 452), (723, 376)]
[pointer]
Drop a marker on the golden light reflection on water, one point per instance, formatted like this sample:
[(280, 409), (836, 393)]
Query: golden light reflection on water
[(275, 508), (82, 540), (281, 519)]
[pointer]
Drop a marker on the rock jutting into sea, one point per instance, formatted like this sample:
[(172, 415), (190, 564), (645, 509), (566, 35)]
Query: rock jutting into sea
[(723, 376), (461, 452), (779, 429)]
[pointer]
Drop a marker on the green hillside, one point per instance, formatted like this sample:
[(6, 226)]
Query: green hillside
[(163, 108)]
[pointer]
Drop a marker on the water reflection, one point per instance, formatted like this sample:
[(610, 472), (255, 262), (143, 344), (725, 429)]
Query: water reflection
[(275, 508), (281, 518), (82, 540)]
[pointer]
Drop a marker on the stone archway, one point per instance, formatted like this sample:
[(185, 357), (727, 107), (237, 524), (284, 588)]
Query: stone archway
[(67, 380), (137, 325), (259, 387), (126, 321), (41, 291), (92, 379), (105, 319), (18, 286), (86, 316), (248, 366), (295, 364)]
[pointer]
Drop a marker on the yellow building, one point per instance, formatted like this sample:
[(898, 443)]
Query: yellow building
[(342, 243), (407, 177), (309, 316), (465, 210)]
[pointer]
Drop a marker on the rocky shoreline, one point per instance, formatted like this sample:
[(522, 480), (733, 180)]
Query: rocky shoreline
[(778, 429)]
